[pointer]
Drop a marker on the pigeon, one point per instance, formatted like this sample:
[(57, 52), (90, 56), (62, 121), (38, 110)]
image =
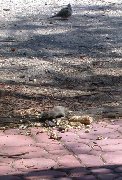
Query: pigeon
[(64, 13)]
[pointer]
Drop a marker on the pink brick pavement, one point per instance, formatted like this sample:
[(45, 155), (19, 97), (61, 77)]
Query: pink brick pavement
[(77, 155)]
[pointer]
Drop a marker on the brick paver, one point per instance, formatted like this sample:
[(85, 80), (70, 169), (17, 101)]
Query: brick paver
[(15, 140), (80, 155)]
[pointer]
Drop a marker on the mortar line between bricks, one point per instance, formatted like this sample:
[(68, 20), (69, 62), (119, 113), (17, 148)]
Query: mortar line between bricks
[(101, 154), (33, 136), (119, 132), (73, 153), (79, 160), (64, 147), (102, 159)]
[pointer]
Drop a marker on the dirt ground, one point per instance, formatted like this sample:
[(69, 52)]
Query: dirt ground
[(76, 63)]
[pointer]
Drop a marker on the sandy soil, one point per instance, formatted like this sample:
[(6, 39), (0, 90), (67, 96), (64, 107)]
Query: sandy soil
[(45, 62)]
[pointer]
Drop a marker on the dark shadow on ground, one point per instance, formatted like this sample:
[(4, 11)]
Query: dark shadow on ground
[(97, 37), (95, 90), (94, 35), (81, 173)]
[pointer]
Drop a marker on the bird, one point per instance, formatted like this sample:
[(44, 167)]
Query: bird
[(64, 13)]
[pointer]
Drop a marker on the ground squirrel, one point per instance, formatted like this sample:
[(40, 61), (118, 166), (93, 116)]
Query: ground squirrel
[(56, 112)]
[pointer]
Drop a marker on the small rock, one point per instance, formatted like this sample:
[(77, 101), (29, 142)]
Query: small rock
[(22, 76), (50, 123), (99, 138), (54, 136), (88, 126), (87, 131), (22, 126), (13, 49), (51, 22), (28, 133), (34, 80), (37, 124)]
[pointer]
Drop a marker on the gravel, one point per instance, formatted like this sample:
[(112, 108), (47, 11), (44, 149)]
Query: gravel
[(76, 63)]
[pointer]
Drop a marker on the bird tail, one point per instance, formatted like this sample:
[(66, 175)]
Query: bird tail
[(53, 16)]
